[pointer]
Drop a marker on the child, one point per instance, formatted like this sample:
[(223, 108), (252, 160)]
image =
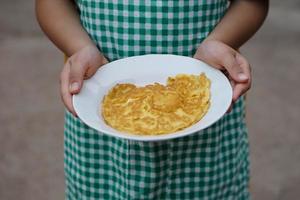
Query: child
[(213, 164)]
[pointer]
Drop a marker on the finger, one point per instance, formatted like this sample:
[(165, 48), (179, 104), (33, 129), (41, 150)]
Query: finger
[(240, 89), (76, 75), (64, 89), (232, 83), (92, 69), (234, 69), (230, 108)]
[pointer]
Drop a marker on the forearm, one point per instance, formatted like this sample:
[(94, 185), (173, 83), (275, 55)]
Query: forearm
[(60, 22), (242, 20)]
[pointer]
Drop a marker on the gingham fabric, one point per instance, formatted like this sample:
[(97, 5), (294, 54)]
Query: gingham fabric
[(212, 164)]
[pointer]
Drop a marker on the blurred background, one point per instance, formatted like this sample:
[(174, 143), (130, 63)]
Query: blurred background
[(31, 113)]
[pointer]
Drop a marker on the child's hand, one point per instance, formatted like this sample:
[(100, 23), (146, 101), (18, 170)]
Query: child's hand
[(225, 58), (81, 65)]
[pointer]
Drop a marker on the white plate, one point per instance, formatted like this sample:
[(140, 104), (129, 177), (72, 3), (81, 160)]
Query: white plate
[(147, 69)]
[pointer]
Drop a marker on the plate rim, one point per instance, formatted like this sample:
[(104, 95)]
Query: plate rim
[(161, 137)]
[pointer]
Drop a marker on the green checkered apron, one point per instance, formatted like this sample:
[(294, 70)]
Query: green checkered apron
[(211, 164)]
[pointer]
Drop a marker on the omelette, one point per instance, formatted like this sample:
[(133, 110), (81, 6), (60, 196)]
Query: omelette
[(155, 108)]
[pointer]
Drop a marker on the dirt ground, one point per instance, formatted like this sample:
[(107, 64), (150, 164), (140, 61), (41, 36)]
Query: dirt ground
[(31, 113)]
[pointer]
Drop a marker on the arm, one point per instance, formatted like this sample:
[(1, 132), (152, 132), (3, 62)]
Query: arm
[(219, 49), (242, 20), (60, 21)]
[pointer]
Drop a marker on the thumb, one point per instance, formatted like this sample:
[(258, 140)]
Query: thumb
[(76, 76), (234, 69)]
